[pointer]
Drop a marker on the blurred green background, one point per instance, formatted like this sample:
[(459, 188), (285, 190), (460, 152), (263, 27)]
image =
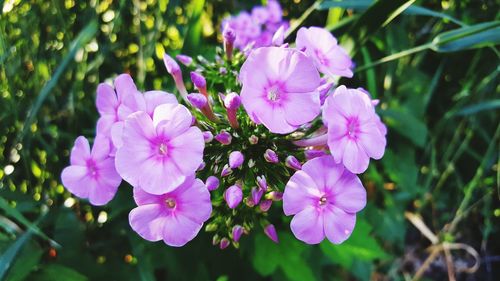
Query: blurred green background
[(439, 97)]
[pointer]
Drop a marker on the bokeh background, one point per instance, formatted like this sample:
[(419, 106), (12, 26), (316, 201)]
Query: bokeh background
[(440, 102)]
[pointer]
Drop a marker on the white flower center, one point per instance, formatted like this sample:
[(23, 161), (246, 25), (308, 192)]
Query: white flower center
[(273, 94), (163, 149), (323, 201)]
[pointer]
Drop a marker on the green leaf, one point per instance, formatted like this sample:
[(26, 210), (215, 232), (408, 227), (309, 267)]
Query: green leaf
[(402, 169), (475, 108), (28, 259), (361, 246), (194, 27), (377, 16), (8, 257), (469, 37), (57, 272), (287, 255), (407, 125)]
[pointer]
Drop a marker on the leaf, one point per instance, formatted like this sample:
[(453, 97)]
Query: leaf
[(57, 272), (469, 37), (8, 257), (407, 125), (28, 259), (287, 255), (361, 246), (402, 169), (475, 108), (193, 34), (378, 15)]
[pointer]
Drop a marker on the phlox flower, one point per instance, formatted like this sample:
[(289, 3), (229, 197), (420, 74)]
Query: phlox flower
[(319, 44), (159, 153), (92, 174), (324, 198), (175, 217), (279, 88), (355, 132)]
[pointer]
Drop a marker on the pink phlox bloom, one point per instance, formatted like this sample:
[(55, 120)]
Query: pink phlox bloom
[(354, 129), (279, 88), (92, 174), (324, 198), (159, 153), (330, 58), (175, 217)]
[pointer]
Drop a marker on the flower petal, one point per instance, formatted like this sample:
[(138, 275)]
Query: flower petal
[(148, 221), (155, 98), (349, 193), (324, 171), (175, 118), (124, 85), (301, 108), (80, 151), (372, 140), (77, 181), (186, 150), (338, 224), (106, 100), (307, 225), (193, 200), (355, 158), (141, 197), (300, 192), (179, 230)]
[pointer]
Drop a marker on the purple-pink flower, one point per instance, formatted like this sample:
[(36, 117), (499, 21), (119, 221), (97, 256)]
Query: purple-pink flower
[(324, 198), (354, 129), (279, 88), (158, 154), (319, 44), (175, 217), (92, 174)]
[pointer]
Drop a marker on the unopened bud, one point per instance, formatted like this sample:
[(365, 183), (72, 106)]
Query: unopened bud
[(236, 159), (253, 139), (265, 205), (261, 182), (212, 183), (279, 36), (271, 156), (232, 101), (198, 80), (208, 136), (293, 163), (197, 100), (233, 196), (256, 194), (226, 171), (237, 232), (185, 60), (224, 137), (224, 243), (270, 231)]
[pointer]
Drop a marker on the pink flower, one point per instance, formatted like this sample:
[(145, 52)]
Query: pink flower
[(321, 46), (92, 174), (111, 102), (280, 88), (233, 196), (324, 199), (354, 129), (159, 153), (175, 217)]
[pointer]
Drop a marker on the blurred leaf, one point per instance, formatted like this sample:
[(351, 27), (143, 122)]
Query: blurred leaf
[(194, 31), (53, 272), (286, 255), (8, 257), (27, 260), (360, 246), (378, 15), (407, 125), (402, 169), (475, 108), (469, 37)]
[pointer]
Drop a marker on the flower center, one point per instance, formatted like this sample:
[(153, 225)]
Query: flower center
[(170, 202), (323, 201), (273, 93), (352, 128), (163, 149), (92, 169)]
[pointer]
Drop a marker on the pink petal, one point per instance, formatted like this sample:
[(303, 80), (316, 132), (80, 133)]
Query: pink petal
[(186, 150), (101, 148), (156, 98), (307, 226), (337, 148), (193, 200), (117, 133), (355, 158), (175, 118), (301, 108), (80, 151), (338, 224), (323, 171), (349, 193), (148, 221), (179, 230), (104, 124), (141, 197), (159, 177), (138, 127), (275, 120), (372, 140), (106, 100), (77, 181), (124, 85), (300, 192), (300, 74)]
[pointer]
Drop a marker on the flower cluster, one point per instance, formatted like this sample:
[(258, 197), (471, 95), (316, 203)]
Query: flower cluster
[(255, 29), (256, 130)]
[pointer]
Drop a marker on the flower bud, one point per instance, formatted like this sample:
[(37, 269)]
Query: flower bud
[(256, 194), (215, 239), (224, 137), (293, 163), (224, 243), (226, 171), (208, 136), (212, 183), (236, 159), (174, 70), (229, 36), (261, 182), (223, 70), (185, 60), (198, 80), (275, 195), (279, 36), (237, 232), (232, 101), (202, 166), (197, 100), (313, 153), (233, 196), (253, 139), (323, 90), (211, 227), (265, 205), (270, 231), (271, 156)]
